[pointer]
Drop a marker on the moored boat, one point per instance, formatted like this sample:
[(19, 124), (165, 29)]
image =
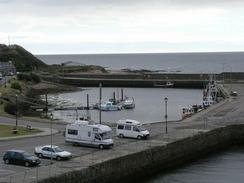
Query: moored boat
[(109, 106), (128, 103), (168, 84)]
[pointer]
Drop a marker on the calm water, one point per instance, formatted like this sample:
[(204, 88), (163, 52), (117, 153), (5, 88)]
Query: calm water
[(149, 103), (185, 62), (225, 167)]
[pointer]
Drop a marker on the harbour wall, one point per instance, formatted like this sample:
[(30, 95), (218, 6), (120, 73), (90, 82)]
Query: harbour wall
[(136, 166), (180, 80)]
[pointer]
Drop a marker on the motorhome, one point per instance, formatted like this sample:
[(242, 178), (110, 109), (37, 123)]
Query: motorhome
[(83, 133), (131, 128)]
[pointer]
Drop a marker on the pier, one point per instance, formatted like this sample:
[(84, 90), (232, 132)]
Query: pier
[(180, 80)]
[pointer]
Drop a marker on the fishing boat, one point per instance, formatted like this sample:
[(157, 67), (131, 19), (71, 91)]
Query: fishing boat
[(168, 84), (187, 112), (210, 94), (128, 103), (109, 106)]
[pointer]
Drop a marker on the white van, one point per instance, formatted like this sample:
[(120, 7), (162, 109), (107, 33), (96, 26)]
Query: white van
[(131, 128), (83, 133)]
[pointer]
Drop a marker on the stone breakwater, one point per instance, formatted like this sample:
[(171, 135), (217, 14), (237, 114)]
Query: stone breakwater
[(148, 161), (140, 79)]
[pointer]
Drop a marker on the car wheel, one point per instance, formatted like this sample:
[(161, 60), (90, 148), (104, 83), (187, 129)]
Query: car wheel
[(139, 137), (40, 155), (27, 164), (101, 146), (6, 161), (121, 135), (58, 158)]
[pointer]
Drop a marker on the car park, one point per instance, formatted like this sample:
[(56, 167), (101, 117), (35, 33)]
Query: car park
[(52, 151), (20, 157)]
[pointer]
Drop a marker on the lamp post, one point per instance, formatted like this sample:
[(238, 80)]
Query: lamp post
[(51, 134), (100, 101), (223, 68), (16, 111), (5, 81), (166, 115)]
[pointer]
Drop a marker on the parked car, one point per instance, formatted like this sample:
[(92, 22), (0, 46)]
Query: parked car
[(131, 128), (233, 93), (53, 151), (20, 157), (83, 133)]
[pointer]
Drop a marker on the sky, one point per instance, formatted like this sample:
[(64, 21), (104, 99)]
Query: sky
[(123, 26)]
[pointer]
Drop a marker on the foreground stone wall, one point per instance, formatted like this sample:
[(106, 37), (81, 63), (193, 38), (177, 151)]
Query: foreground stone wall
[(135, 166)]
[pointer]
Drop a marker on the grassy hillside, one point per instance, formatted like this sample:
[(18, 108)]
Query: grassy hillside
[(21, 58)]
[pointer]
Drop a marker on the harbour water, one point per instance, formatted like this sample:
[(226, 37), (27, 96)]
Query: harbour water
[(224, 167), (171, 62), (150, 104)]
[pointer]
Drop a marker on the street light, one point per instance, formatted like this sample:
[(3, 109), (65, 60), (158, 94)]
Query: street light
[(223, 70), (166, 115), (100, 101), (51, 132), (16, 111), (5, 81)]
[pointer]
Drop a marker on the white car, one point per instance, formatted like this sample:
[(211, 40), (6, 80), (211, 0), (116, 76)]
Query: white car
[(52, 152)]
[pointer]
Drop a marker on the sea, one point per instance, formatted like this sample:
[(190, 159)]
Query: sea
[(209, 62), (223, 167)]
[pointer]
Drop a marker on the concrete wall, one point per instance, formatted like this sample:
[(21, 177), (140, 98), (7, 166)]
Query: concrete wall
[(141, 79), (135, 166), (115, 82)]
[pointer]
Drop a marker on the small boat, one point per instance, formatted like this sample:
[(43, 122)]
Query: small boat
[(168, 84), (128, 103), (187, 112), (109, 106)]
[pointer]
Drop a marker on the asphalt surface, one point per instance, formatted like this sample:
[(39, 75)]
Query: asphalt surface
[(226, 112)]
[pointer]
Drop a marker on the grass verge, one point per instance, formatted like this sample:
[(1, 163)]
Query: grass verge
[(6, 131)]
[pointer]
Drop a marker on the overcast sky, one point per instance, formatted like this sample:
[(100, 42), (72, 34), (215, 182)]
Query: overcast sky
[(123, 26)]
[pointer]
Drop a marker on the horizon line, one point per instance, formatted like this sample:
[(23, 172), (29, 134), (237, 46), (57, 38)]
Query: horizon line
[(123, 53)]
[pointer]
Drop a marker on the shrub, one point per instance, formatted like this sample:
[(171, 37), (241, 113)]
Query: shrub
[(35, 78), (29, 77), (16, 85), (23, 76), (10, 108)]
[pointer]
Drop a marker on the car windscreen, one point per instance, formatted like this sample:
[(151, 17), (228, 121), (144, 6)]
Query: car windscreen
[(57, 149), (141, 128), (105, 135), (26, 154)]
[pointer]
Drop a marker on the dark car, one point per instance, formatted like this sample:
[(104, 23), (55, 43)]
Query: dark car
[(20, 157)]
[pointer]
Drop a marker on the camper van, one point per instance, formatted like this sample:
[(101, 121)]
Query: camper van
[(83, 133), (131, 128)]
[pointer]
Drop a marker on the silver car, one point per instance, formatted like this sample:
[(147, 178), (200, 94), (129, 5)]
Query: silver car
[(53, 151)]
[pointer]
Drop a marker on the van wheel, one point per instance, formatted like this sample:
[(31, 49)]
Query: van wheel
[(101, 146), (58, 158), (121, 135), (6, 161), (40, 155), (27, 164), (139, 137)]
